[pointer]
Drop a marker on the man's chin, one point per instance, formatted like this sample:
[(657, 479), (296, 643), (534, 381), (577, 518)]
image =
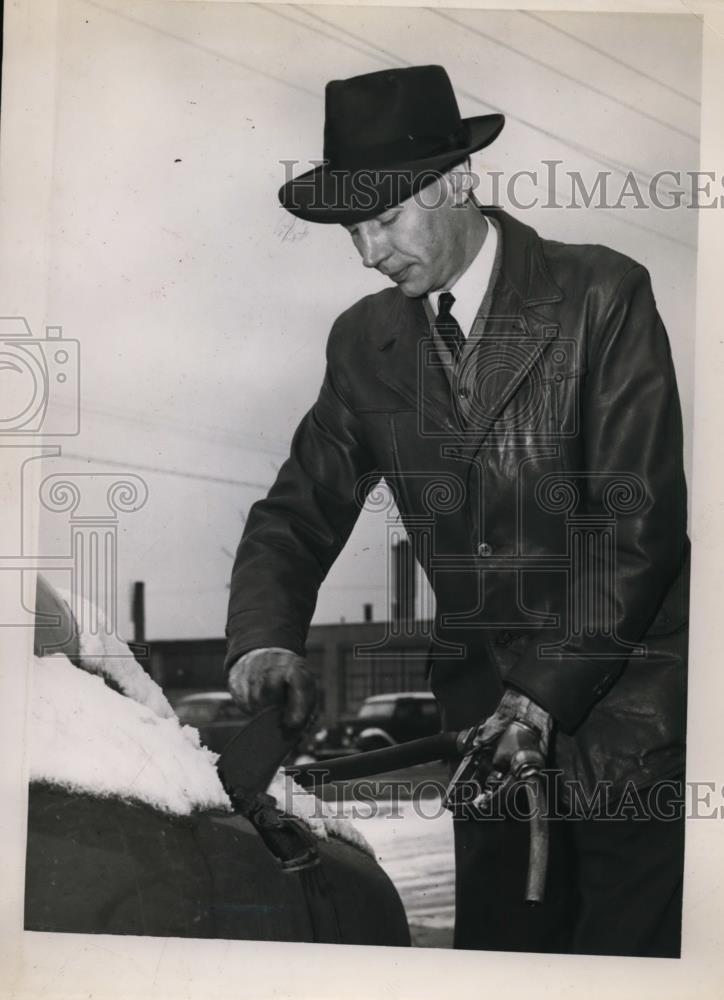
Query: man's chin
[(410, 288)]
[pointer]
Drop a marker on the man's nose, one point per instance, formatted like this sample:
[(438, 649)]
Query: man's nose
[(372, 245)]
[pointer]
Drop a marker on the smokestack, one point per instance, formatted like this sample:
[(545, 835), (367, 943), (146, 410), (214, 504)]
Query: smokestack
[(367, 612), (403, 583), (138, 611)]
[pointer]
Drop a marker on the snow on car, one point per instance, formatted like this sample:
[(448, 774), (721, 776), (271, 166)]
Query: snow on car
[(130, 830)]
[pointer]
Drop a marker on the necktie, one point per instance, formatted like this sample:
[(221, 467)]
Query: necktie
[(447, 326)]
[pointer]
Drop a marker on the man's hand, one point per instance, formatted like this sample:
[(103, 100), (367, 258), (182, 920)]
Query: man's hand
[(274, 676), (520, 731), (516, 706)]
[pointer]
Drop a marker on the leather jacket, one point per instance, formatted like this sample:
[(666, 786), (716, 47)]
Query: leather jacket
[(542, 489)]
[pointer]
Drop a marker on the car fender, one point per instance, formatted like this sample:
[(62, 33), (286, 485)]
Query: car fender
[(374, 735)]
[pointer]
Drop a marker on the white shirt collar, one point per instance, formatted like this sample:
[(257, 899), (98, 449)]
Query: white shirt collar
[(470, 288)]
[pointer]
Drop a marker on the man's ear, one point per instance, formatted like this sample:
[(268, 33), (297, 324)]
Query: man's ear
[(462, 182)]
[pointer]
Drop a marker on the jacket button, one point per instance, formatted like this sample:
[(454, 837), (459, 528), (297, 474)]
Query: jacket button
[(485, 549)]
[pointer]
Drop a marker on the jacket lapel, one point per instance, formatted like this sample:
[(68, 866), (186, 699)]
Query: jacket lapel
[(409, 364), (520, 326)]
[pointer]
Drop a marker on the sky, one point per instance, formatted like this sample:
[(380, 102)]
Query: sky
[(201, 309)]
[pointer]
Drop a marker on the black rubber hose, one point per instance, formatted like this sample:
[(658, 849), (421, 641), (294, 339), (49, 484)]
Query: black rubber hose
[(443, 746)]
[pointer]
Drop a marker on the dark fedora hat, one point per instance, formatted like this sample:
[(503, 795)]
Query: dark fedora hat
[(387, 135)]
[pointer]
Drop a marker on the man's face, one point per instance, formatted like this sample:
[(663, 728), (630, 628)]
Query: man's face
[(420, 243)]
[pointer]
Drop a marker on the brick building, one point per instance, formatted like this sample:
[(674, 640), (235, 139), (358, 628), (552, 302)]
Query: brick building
[(350, 660)]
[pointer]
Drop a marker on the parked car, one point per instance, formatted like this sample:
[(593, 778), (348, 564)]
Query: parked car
[(215, 714), (130, 830), (381, 721)]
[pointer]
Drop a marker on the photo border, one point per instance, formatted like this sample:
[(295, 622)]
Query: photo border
[(75, 965)]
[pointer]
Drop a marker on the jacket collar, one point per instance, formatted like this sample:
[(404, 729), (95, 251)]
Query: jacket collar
[(523, 267), (522, 291)]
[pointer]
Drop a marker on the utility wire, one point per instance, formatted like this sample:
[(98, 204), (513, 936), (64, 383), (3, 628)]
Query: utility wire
[(201, 48), (623, 169), (378, 51), (153, 591), (625, 220), (592, 154), (595, 156), (181, 473), (325, 34), (566, 76), (607, 55), (215, 435)]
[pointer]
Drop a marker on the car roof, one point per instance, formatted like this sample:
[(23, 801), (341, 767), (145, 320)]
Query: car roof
[(424, 695), (205, 696)]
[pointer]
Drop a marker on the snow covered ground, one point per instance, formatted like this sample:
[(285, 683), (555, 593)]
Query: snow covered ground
[(414, 844)]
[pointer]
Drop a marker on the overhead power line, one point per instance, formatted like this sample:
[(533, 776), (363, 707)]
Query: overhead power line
[(210, 433), (181, 473), (607, 55), (566, 76), (577, 147), (592, 154), (621, 168), (366, 51), (219, 56), (375, 51)]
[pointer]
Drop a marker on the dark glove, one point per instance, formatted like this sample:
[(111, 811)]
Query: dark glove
[(274, 676), (518, 733)]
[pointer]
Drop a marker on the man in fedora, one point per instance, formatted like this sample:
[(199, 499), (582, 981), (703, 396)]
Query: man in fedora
[(518, 397)]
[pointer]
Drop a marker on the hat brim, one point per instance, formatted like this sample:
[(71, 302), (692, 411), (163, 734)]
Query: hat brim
[(349, 196)]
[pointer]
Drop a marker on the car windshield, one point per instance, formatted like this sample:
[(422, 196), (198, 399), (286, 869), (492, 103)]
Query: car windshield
[(197, 713), (383, 709)]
